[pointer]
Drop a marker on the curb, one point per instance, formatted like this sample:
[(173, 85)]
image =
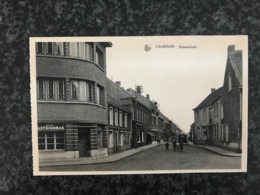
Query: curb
[(208, 149), (108, 161)]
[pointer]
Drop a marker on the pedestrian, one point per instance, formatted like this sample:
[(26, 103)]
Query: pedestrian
[(178, 146), (166, 146), (174, 145), (181, 146)]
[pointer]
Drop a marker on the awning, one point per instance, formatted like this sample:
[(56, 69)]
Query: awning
[(150, 133)]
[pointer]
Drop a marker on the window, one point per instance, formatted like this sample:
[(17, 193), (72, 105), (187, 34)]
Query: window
[(121, 139), (99, 57), (82, 52), (100, 95), (125, 120), (227, 132), (100, 139), (223, 132), (89, 52), (116, 117), (51, 140), (39, 47), (50, 48), (229, 82), (204, 114), (51, 89), (222, 112), (73, 48), (81, 90), (110, 138), (59, 48), (111, 118), (120, 119), (204, 133), (198, 132)]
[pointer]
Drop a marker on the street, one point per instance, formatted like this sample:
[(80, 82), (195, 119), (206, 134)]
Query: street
[(157, 159)]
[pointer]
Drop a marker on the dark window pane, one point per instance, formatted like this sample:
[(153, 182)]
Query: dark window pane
[(60, 146), (41, 146), (41, 134), (41, 89), (60, 134), (61, 89), (50, 134), (50, 140), (50, 146), (51, 95), (41, 140), (39, 47), (49, 47), (59, 140)]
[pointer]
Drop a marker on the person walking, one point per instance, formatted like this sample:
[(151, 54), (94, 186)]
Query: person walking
[(174, 145), (166, 146), (181, 146)]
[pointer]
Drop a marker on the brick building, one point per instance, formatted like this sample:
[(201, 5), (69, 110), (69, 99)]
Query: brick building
[(232, 101), (218, 118), (119, 118), (71, 99)]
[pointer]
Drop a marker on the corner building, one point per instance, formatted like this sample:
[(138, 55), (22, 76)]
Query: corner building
[(71, 99)]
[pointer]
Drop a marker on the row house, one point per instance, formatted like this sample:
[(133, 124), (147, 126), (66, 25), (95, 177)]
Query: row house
[(218, 118), (119, 119), (71, 99), (208, 118)]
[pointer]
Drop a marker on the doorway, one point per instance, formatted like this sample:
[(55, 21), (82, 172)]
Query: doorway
[(84, 143)]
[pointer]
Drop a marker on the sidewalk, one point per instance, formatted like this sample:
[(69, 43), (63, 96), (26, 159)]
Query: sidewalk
[(90, 160), (217, 150)]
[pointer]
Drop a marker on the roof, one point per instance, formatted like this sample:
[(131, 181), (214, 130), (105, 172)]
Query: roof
[(235, 58), (210, 99), (115, 93)]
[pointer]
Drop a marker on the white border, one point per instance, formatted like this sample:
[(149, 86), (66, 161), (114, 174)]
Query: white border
[(36, 170)]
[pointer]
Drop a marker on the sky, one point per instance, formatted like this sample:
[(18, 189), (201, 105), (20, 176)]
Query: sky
[(177, 78)]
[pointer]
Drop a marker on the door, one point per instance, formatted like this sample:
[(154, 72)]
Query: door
[(115, 141), (84, 142)]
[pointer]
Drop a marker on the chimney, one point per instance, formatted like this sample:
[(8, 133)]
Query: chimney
[(213, 89), (148, 96), (118, 83), (139, 89), (231, 48)]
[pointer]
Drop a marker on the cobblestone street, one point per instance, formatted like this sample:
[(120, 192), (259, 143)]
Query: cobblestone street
[(157, 159)]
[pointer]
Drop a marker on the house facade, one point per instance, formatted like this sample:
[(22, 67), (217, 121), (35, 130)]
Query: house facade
[(232, 101), (218, 118), (71, 99), (119, 119), (207, 116)]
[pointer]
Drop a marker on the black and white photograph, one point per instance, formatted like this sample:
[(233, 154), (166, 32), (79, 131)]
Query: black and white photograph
[(139, 105)]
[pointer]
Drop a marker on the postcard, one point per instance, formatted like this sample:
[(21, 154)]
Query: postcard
[(139, 105)]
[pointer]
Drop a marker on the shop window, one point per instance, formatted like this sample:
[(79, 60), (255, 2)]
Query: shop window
[(51, 140)]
